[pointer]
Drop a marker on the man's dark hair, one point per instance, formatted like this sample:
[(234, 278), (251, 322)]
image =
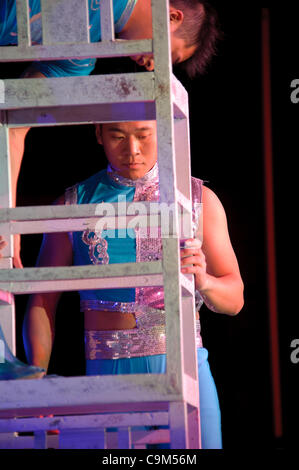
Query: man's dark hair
[(200, 28)]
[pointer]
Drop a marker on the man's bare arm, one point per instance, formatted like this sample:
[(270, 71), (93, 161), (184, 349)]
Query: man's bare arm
[(217, 275), (17, 137), (39, 321)]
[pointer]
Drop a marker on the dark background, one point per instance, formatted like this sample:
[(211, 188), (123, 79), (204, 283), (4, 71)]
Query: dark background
[(227, 151)]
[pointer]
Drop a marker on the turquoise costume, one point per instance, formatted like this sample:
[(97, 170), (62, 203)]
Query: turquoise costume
[(103, 248), (122, 10)]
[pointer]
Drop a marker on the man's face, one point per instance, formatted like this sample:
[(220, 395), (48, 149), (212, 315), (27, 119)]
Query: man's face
[(179, 49), (130, 147), (179, 53)]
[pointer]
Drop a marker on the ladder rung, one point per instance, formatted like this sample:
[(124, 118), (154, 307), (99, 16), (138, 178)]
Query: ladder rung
[(71, 91), (81, 114), (78, 224), (31, 213), (68, 278), (158, 418), (81, 272), (72, 51)]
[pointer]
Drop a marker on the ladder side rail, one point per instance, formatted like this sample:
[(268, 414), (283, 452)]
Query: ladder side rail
[(107, 21), (23, 25), (187, 230), (168, 160), (168, 186), (170, 247)]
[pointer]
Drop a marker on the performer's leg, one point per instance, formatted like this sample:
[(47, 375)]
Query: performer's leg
[(210, 415), (209, 404), (136, 365)]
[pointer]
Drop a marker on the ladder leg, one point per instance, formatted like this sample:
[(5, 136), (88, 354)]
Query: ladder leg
[(178, 424), (124, 438), (7, 308), (40, 440), (194, 428)]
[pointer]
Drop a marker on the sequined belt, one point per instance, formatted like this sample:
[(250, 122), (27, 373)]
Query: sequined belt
[(147, 339)]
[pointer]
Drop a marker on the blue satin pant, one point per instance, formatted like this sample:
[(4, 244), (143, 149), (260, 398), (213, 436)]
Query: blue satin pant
[(210, 416)]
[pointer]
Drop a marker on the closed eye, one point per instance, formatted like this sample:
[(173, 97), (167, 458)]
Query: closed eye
[(142, 137), (117, 137)]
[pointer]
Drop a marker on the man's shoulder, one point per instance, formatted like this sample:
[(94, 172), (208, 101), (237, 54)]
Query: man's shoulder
[(92, 180), (75, 192)]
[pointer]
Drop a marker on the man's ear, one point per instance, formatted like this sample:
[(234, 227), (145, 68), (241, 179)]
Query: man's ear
[(176, 18), (99, 133)]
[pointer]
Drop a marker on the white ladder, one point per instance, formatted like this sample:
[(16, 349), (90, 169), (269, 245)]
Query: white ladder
[(84, 407)]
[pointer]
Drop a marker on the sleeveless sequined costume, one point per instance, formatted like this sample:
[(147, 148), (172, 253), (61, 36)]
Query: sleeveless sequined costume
[(105, 247)]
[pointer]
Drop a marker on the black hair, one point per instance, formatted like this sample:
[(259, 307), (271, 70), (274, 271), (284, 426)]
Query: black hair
[(200, 28)]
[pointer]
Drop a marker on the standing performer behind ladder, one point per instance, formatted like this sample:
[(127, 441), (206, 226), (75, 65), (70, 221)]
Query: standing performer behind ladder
[(111, 315)]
